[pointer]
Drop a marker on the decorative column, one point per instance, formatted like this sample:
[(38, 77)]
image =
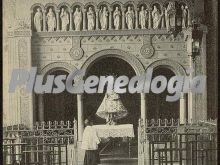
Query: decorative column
[(32, 21), (136, 18), (97, 19), (58, 20), (189, 19), (44, 21), (143, 107), (24, 99), (149, 20), (40, 108), (204, 72), (110, 18), (162, 20), (123, 18), (84, 19), (191, 96), (146, 158), (182, 109), (80, 116), (71, 20)]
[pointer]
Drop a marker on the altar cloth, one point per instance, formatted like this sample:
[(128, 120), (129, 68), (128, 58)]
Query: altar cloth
[(123, 130)]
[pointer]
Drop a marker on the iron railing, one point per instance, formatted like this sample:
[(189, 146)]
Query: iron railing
[(168, 142), (46, 143)]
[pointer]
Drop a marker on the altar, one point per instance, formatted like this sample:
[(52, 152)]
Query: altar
[(114, 136), (114, 131)]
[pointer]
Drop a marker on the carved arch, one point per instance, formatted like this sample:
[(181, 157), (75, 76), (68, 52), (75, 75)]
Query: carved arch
[(117, 3), (90, 4), (64, 4), (129, 58), (51, 4), (130, 3), (37, 5), (156, 2), (103, 3), (77, 4), (172, 65), (56, 66), (143, 3)]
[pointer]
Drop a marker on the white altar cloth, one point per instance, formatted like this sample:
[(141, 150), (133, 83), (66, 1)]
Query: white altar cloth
[(123, 130)]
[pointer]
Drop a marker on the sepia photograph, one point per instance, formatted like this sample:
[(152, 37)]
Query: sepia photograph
[(110, 82)]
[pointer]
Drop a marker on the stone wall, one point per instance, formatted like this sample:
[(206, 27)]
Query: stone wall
[(75, 49)]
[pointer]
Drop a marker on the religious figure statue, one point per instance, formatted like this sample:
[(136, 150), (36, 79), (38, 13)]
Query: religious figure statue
[(143, 18), (77, 19), (156, 17), (116, 17), (103, 18), (112, 108), (91, 19), (184, 16), (38, 18), (51, 20), (170, 12), (130, 18), (64, 16)]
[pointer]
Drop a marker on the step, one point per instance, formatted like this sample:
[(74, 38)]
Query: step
[(118, 160)]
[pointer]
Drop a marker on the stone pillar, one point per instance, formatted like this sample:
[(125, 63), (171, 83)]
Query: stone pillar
[(189, 24), (146, 156), (71, 20), (84, 19), (149, 20), (143, 107), (204, 72), (163, 20), (110, 19), (191, 99), (97, 20), (191, 106), (182, 109), (40, 107), (32, 21), (80, 116), (123, 18), (44, 21), (136, 18), (24, 100), (58, 20)]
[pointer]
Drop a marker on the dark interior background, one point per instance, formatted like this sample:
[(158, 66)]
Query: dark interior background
[(62, 106), (118, 67), (157, 106)]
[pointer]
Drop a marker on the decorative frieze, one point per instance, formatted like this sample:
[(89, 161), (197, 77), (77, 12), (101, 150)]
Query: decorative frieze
[(154, 15)]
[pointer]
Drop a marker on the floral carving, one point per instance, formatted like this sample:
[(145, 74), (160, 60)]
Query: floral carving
[(147, 51), (76, 53)]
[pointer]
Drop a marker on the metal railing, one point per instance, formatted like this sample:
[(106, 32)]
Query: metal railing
[(167, 142), (46, 143)]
